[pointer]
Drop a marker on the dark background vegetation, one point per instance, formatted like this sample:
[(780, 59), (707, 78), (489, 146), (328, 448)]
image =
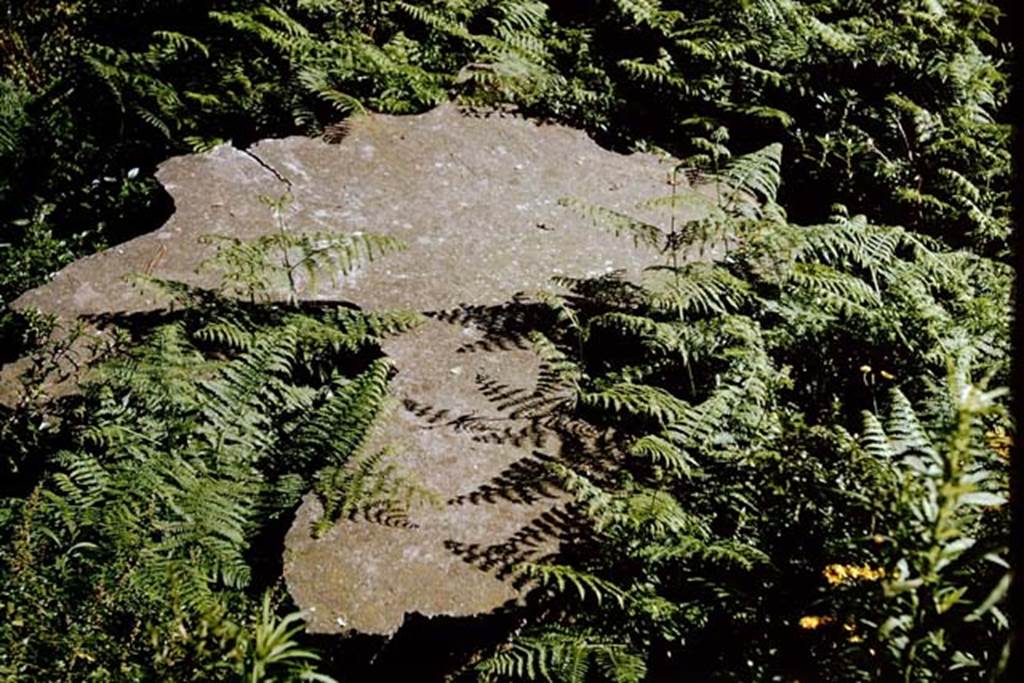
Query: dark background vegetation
[(895, 110)]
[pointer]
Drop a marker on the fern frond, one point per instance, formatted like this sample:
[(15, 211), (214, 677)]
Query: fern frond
[(664, 453), (619, 224), (564, 577), (828, 284), (565, 656), (344, 417), (636, 401), (180, 43), (758, 174), (700, 288)]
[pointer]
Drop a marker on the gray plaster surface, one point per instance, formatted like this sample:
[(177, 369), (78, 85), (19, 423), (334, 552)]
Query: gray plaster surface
[(475, 198)]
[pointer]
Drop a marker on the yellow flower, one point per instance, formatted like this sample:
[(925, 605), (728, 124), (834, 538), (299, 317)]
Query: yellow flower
[(837, 574), (999, 441), (811, 622)]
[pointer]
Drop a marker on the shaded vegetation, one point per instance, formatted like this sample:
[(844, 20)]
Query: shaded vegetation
[(782, 513), (813, 483)]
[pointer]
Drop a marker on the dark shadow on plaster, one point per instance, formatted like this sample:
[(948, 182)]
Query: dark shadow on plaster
[(491, 112), (394, 516), (335, 133), (546, 400), (517, 431), (526, 417), (496, 343)]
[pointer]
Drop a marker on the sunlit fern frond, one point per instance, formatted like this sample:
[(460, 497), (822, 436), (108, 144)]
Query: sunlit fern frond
[(695, 288), (566, 579), (565, 655), (662, 452), (636, 401), (619, 224), (758, 174)]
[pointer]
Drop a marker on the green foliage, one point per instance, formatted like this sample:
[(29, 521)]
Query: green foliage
[(761, 518), (13, 118), (890, 109), (950, 574), (745, 530), (563, 656), (155, 491), (274, 649), (255, 268), (176, 455), (893, 110)]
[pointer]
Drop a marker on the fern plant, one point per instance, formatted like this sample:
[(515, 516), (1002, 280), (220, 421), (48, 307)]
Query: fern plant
[(950, 573), (735, 373), (255, 268), (717, 528), (181, 449), (176, 457)]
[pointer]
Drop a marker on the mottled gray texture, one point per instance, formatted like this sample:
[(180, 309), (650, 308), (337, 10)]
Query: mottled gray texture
[(475, 199)]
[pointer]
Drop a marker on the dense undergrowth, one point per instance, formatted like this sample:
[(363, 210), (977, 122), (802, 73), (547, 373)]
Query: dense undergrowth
[(813, 483)]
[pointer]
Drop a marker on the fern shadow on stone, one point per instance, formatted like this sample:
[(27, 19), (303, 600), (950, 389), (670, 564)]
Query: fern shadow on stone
[(532, 543), (482, 420), (525, 481)]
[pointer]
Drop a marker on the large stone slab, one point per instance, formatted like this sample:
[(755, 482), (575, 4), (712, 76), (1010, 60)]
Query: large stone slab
[(476, 200)]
